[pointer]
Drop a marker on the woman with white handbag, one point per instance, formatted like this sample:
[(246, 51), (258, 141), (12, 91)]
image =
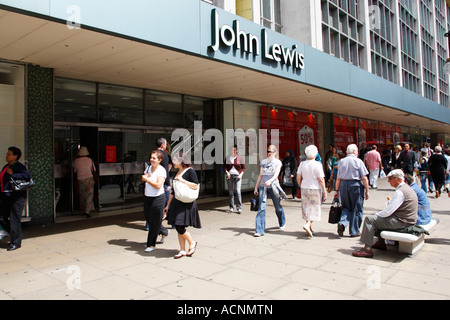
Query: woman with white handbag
[(182, 210)]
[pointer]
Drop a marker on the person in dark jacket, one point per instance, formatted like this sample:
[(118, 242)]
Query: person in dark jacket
[(288, 172), (438, 165), (13, 202), (407, 159)]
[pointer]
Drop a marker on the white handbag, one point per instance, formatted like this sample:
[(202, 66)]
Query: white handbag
[(183, 192)]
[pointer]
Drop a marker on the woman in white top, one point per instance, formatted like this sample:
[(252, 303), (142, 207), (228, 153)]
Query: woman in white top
[(268, 178), (310, 177), (154, 200)]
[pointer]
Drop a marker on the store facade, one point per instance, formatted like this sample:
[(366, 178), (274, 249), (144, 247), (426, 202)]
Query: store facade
[(117, 87)]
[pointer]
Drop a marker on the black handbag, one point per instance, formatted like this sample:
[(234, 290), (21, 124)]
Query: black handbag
[(254, 204), (21, 185), (335, 212)]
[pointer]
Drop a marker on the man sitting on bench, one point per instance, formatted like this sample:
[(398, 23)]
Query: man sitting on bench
[(400, 212)]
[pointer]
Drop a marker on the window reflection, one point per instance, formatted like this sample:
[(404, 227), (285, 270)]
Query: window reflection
[(198, 109), (75, 101), (121, 105), (163, 109)]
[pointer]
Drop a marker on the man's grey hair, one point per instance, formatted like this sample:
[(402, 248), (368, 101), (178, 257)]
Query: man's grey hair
[(352, 148)]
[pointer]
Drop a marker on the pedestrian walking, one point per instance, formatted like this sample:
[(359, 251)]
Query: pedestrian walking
[(407, 159), (386, 158), (154, 200), (182, 214), (352, 187), (288, 170), (438, 166), (423, 170), (373, 162), (426, 148), (336, 158), (447, 173), (234, 167), (311, 179), (84, 168), (267, 184), (395, 163), (12, 202)]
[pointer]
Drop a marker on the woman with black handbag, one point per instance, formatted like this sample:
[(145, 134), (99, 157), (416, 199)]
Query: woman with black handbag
[(13, 202)]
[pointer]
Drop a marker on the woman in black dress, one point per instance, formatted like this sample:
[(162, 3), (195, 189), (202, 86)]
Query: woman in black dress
[(180, 214), (437, 165)]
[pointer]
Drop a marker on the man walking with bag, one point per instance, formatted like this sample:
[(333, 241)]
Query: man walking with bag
[(352, 187)]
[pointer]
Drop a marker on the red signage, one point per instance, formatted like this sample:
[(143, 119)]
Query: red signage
[(111, 154)]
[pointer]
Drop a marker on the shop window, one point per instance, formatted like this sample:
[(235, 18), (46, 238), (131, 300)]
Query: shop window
[(198, 109), (163, 109), (345, 133), (368, 135), (75, 101), (121, 105), (244, 9), (12, 107), (297, 129)]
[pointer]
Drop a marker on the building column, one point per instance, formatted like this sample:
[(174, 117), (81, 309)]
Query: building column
[(39, 140)]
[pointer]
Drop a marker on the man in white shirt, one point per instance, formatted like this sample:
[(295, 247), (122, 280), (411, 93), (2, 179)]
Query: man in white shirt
[(373, 162), (400, 213)]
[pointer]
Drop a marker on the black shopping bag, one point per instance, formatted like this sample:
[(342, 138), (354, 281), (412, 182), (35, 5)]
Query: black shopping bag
[(254, 204), (335, 212)]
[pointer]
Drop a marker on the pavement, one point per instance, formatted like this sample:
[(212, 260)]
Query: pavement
[(103, 259)]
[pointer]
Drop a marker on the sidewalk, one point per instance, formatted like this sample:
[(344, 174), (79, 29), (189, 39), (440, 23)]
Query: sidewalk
[(104, 258)]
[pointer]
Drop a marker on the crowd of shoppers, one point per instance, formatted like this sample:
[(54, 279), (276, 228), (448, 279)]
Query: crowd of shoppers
[(351, 177)]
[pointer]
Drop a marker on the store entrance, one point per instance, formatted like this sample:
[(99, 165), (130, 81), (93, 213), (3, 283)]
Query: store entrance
[(119, 155), (122, 157), (68, 141)]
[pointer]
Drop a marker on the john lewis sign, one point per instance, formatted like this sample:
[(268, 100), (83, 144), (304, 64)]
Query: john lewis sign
[(233, 37)]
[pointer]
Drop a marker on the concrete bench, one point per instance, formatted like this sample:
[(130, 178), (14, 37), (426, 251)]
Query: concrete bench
[(409, 243)]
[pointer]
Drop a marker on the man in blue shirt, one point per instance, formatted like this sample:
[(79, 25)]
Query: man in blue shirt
[(352, 186), (424, 213)]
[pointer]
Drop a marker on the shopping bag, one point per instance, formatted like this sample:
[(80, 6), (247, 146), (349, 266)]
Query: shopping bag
[(335, 212), (254, 204)]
